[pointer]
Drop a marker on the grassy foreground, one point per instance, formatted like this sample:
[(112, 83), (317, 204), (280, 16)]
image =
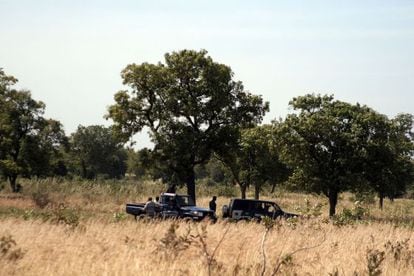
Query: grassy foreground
[(90, 235)]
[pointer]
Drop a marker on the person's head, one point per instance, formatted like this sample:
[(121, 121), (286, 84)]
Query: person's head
[(150, 199), (214, 198), (157, 198)]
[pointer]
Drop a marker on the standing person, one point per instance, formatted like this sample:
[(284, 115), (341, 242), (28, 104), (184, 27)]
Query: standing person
[(212, 204), (149, 207), (158, 204)]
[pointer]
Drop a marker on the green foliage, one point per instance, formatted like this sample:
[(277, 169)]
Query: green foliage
[(350, 216), (119, 216), (27, 140), (310, 210), (268, 223), (65, 215), (365, 197), (96, 152), (255, 160), (191, 106), (335, 146)]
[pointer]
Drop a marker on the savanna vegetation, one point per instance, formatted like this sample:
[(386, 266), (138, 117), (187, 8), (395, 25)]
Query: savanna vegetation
[(346, 168)]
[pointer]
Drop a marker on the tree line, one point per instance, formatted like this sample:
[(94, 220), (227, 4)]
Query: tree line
[(203, 122)]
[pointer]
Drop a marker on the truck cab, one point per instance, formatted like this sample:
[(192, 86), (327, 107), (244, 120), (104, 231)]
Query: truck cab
[(247, 209), (173, 205)]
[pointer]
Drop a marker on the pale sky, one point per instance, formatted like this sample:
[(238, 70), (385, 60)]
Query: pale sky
[(70, 53)]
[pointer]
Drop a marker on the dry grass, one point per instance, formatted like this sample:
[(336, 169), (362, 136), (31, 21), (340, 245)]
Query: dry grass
[(129, 248), (105, 242)]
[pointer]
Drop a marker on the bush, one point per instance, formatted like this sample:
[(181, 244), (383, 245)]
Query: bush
[(8, 250), (41, 199), (67, 216), (349, 216)]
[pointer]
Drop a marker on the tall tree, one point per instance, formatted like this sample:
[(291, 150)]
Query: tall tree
[(255, 160), (21, 122), (96, 151), (190, 104), (320, 144), (41, 153), (387, 153)]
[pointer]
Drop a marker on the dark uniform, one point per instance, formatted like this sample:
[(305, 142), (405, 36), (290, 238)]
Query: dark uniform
[(212, 204)]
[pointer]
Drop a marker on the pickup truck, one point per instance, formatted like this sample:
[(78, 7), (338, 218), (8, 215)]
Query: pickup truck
[(249, 209), (173, 206)]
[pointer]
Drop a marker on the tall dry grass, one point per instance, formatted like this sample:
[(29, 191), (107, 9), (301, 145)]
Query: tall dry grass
[(131, 248), (91, 235)]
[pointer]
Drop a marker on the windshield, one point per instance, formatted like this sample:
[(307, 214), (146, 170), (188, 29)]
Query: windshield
[(259, 207), (180, 200), (184, 201)]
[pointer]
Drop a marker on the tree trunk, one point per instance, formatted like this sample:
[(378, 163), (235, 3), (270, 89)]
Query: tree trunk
[(273, 188), (191, 185), (381, 200), (333, 200), (13, 185), (83, 166), (256, 192)]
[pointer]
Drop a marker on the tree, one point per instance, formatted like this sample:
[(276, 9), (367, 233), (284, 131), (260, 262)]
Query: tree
[(387, 153), (320, 144), (41, 154), (255, 160), (190, 104), (21, 128), (96, 151)]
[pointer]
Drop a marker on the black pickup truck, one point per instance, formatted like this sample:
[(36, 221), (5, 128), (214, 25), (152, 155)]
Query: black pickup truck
[(248, 209), (173, 206)]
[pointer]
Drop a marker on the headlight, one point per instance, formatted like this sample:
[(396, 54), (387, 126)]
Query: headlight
[(197, 213)]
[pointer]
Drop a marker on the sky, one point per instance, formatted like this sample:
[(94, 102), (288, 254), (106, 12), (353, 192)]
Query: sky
[(69, 54)]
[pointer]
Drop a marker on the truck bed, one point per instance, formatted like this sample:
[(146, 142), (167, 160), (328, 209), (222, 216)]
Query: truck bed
[(135, 209)]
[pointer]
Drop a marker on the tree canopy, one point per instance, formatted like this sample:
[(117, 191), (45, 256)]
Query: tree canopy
[(96, 151), (255, 159), (335, 146), (190, 104), (26, 137)]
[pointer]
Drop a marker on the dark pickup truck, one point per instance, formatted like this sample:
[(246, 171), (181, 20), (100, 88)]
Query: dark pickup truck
[(248, 209), (173, 206)]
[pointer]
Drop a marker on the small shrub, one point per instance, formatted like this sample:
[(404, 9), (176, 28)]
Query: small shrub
[(292, 222), (363, 197), (310, 210), (8, 250), (374, 259), (400, 251), (350, 216), (214, 267), (41, 199), (268, 222), (172, 244), (67, 216), (119, 216)]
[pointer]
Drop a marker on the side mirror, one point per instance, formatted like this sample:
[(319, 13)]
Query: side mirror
[(225, 211)]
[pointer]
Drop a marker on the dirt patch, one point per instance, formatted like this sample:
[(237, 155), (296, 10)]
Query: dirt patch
[(17, 201)]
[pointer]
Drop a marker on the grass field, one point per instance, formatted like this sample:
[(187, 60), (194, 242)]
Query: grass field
[(82, 230)]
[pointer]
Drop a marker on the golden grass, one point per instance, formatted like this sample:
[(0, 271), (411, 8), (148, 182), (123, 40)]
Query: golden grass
[(130, 248), (104, 245)]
